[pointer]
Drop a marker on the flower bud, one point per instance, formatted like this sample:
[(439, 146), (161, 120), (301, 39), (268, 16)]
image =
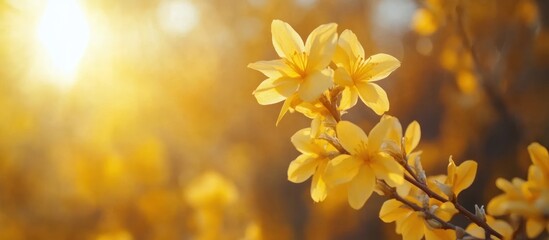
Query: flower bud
[(480, 213), (447, 190)]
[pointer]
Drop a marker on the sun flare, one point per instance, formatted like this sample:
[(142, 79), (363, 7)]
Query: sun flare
[(63, 32)]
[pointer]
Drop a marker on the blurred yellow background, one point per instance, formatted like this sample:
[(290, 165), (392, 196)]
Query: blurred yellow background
[(135, 119)]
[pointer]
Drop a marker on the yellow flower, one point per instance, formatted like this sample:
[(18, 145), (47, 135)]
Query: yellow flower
[(365, 162), (302, 71), (539, 171), (312, 162), (211, 190), (500, 226), (413, 225), (459, 177), (357, 74), (528, 199)]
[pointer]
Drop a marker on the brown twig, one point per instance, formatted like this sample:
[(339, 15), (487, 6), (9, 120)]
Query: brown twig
[(458, 206), (391, 193), (331, 107)]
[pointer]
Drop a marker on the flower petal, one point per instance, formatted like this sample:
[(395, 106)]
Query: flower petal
[(412, 136), (303, 142), (373, 96), (319, 189), (501, 226), (361, 187), (314, 85), (349, 98), (274, 68), (387, 128), (273, 91), (466, 173), (381, 66), (342, 77), (302, 168), (350, 44), (533, 227), (496, 206), (392, 210), (320, 46), (286, 41), (285, 107), (386, 168), (446, 211), (475, 231), (439, 234), (413, 227), (341, 169), (539, 156), (351, 136)]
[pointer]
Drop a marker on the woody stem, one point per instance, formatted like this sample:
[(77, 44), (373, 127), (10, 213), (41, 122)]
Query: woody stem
[(472, 217)]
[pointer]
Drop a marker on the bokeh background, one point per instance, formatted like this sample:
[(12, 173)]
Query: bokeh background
[(135, 119)]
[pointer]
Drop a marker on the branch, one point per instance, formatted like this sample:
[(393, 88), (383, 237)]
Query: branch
[(391, 193), (331, 106), (472, 217)]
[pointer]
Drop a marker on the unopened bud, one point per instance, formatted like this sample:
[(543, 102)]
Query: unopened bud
[(419, 169), (424, 199), (447, 190), (480, 213), (434, 223)]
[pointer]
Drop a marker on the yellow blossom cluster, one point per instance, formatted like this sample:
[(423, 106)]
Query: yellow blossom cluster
[(322, 79), (527, 199)]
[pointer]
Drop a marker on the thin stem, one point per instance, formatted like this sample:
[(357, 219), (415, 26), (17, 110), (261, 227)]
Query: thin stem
[(458, 206), (486, 78), (331, 107), (391, 192), (409, 170), (333, 141)]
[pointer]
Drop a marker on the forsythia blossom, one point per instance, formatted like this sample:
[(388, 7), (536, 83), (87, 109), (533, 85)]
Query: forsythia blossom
[(357, 73), (527, 199), (365, 162), (499, 225), (302, 71), (322, 79), (413, 225), (459, 177), (312, 162)]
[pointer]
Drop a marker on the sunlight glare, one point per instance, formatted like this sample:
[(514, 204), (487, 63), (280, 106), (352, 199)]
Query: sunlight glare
[(63, 32), (177, 16)]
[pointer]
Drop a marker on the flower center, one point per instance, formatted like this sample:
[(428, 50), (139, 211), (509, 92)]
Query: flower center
[(361, 68), (298, 62), (362, 152)]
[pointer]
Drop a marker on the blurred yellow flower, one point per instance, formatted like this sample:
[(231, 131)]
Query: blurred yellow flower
[(499, 225), (413, 225), (425, 22), (210, 190), (302, 71), (365, 162), (540, 168), (357, 74), (312, 162), (527, 199)]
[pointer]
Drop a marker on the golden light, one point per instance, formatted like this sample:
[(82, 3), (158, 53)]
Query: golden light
[(177, 16), (63, 32)]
